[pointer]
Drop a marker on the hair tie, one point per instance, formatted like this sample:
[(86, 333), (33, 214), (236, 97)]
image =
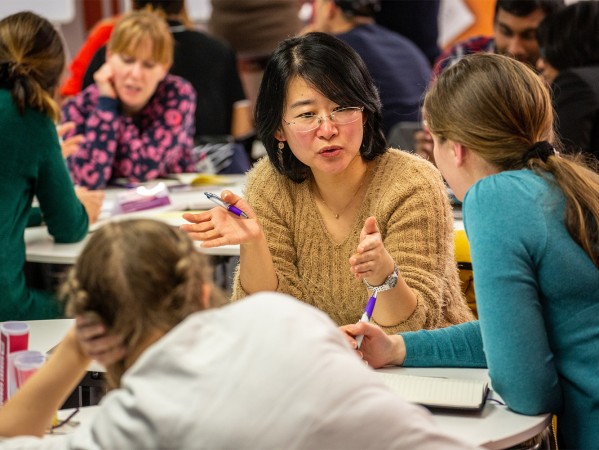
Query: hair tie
[(541, 150), (6, 72), (12, 71)]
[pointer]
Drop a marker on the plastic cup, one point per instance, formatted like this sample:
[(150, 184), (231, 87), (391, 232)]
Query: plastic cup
[(26, 364)]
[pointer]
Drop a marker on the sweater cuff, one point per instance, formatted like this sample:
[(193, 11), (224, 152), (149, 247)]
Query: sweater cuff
[(454, 346), (108, 104), (417, 347)]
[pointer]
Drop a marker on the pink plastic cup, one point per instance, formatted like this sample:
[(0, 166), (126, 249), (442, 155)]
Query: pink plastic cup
[(26, 364)]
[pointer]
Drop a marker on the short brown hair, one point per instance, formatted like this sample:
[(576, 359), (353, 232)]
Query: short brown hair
[(136, 27)]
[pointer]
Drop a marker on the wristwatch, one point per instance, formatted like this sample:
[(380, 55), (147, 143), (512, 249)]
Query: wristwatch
[(389, 282)]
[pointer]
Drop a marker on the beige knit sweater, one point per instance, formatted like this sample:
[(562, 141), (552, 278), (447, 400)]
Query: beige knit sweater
[(408, 198)]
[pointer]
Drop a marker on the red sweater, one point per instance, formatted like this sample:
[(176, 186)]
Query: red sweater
[(98, 36)]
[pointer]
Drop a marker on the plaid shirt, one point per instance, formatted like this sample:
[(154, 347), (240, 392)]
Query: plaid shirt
[(473, 45)]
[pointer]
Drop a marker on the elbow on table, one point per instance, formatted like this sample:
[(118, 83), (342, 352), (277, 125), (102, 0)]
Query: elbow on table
[(70, 235), (533, 401), (69, 239)]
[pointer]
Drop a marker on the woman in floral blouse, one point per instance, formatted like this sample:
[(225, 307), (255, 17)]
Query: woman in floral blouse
[(137, 120)]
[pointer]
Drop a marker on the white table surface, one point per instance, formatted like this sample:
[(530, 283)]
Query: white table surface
[(46, 334), (41, 248), (495, 427)]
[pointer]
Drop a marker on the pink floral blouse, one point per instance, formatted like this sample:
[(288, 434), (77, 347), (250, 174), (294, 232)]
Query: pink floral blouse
[(153, 143)]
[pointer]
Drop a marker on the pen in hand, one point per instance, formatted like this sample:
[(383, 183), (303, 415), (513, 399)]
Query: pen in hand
[(216, 199), (367, 315)]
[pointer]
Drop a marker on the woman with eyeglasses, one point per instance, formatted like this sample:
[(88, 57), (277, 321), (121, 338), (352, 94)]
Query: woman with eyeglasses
[(334, 213)]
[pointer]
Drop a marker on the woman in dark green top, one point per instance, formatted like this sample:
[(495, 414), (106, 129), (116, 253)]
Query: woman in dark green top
[(31, 61)]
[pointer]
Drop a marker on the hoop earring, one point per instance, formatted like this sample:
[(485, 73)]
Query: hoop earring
[(281, 145)]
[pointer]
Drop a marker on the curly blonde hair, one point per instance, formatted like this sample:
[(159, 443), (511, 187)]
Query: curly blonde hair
[(137, 276)]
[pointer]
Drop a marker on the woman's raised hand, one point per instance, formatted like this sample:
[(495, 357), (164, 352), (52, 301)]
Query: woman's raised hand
[(95, 342), (371, 260), (218, 226), (104, 81), (71, 144)]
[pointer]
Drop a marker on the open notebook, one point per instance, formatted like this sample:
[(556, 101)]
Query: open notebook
[(436, 392)]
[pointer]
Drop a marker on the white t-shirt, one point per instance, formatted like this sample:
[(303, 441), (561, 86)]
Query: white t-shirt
[(268, 372)]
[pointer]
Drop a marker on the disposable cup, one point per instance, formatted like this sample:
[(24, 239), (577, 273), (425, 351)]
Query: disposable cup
[(26, 364)]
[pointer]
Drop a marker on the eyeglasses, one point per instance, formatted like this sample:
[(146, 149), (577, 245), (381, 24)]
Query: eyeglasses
[(62, 423), (309, 122)]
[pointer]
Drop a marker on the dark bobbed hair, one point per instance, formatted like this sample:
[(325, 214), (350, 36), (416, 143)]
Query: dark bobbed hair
[(31, 61), (334, 69), (570, 37), (522, 8)]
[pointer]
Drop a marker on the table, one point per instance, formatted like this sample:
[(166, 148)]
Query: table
[(44, 335), (41, 248), (495, 427)]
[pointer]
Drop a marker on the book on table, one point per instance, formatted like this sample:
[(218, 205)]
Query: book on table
[(437, 392)]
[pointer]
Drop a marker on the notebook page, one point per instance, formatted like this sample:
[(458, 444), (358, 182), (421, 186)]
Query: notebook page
[(438, 392)]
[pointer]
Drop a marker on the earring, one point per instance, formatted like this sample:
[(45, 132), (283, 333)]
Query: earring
[(281, 145)]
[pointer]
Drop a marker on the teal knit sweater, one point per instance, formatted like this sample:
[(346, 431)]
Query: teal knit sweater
[(537, 294)]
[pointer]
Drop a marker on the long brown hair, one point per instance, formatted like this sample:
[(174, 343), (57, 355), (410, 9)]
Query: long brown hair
[(500, 108), (31, 62), (136, 276)]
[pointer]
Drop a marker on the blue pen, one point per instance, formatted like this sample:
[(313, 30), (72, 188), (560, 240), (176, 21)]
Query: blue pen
[(216, 199), (367, 315)]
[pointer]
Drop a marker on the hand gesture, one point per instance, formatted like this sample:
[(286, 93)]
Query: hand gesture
[(96, 343), (218, 226), (371, 260), (378, 349), (104, 79), (92, 202), (69, 145)]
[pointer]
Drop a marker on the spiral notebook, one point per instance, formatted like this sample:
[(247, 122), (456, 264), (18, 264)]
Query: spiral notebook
[(434, 392)]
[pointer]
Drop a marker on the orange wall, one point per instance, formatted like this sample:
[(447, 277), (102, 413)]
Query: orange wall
[(483, 11)]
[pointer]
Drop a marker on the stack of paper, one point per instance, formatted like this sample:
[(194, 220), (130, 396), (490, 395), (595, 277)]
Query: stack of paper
[(438, 392)]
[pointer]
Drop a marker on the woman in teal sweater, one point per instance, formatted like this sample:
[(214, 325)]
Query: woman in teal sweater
[(532, 219), (31, 61)]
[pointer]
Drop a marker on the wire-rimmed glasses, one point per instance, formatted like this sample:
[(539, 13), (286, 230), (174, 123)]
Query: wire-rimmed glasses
[(309, 121)]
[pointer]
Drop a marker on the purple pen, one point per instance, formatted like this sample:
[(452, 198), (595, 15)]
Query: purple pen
[(367, 315), (216, 199)]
